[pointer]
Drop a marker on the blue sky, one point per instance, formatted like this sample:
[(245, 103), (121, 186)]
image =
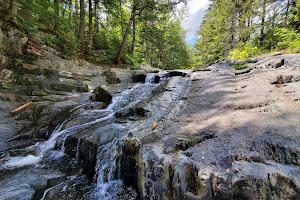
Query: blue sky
[(192, 22)]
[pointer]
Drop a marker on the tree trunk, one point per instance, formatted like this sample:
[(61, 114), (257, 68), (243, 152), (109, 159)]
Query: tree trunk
[(287, 12), (121, 49), (262, 25), (12, 11), (233, 29), (64, 9), (249, 28), (56, 7), (147, 50), (295, 23), (96, 16), (82, 22), (70, 12), (133, 35), (76, 9), (90, 23), (122, 26)]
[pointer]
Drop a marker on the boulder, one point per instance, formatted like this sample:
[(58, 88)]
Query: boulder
[(102, 95), (116, 75), (30, 184), (136, 78), (277, 63), (6, 75), (14, 41)]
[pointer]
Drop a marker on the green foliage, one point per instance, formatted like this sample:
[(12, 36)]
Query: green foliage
[(244, 51), (164, 39), (130, 60), (3, 86), (35, 15), (290, 39), (243, 29), (241, 66), (214, 42), (158, 34)]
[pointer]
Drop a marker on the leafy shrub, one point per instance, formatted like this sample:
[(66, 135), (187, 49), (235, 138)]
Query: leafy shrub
[(128, 59), (101, 56), (244, 51), (290, 40), (68, 44)]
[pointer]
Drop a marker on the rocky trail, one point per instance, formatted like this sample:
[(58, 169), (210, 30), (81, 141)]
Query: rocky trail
[(212, 133)]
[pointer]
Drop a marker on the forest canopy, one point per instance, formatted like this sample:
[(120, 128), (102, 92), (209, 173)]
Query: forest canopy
[(246, 28), (106, 31), (132, 32)]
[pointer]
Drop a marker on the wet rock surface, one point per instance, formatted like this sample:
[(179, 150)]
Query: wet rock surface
[(102, 96), (30, 184), (211, 133), (249, 123)]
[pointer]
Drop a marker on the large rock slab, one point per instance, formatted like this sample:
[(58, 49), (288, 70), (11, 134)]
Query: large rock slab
[(29, 184), (250, 125)]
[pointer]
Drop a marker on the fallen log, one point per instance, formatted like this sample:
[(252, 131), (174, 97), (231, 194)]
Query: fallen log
[(21, 107)]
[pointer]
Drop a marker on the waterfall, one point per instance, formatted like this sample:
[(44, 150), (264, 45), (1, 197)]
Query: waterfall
[(107, 179), (108, 171), (43, 147), (152, 78)]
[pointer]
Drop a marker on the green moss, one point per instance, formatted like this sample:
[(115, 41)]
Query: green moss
[(3, 86), (104, 73), (177, 152), (241, 66), (134, 67)]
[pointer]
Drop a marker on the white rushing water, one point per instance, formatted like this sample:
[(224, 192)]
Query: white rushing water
[(108, 183), (19, 161), (150, 78), (126, 98), (108, 166)]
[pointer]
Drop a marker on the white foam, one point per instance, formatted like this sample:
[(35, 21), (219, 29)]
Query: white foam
[(19, 161), (150, 78), (22, 161)]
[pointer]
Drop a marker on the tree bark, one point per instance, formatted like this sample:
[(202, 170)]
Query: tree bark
[(12, 10), (147, 50), (287, 12), (262, 25), (133, 35), (295, 24), (82, 21), (90, 23), (64, 8), (121, 49), (56, 7), (70, 12), (96, 15), (76, 9), (121, 17)]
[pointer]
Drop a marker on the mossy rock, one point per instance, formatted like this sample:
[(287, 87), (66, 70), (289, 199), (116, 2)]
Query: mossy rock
[(102, 96)]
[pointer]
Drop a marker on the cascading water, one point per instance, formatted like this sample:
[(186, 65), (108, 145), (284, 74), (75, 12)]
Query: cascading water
[(125, 99), (152, 78), (108, 170), (42, 148), (107, 131)]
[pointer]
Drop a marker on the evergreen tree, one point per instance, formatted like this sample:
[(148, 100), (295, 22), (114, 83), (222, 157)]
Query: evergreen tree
[(249, 26)]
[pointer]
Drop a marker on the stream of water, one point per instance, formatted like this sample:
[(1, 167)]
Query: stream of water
[(108, 184)]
